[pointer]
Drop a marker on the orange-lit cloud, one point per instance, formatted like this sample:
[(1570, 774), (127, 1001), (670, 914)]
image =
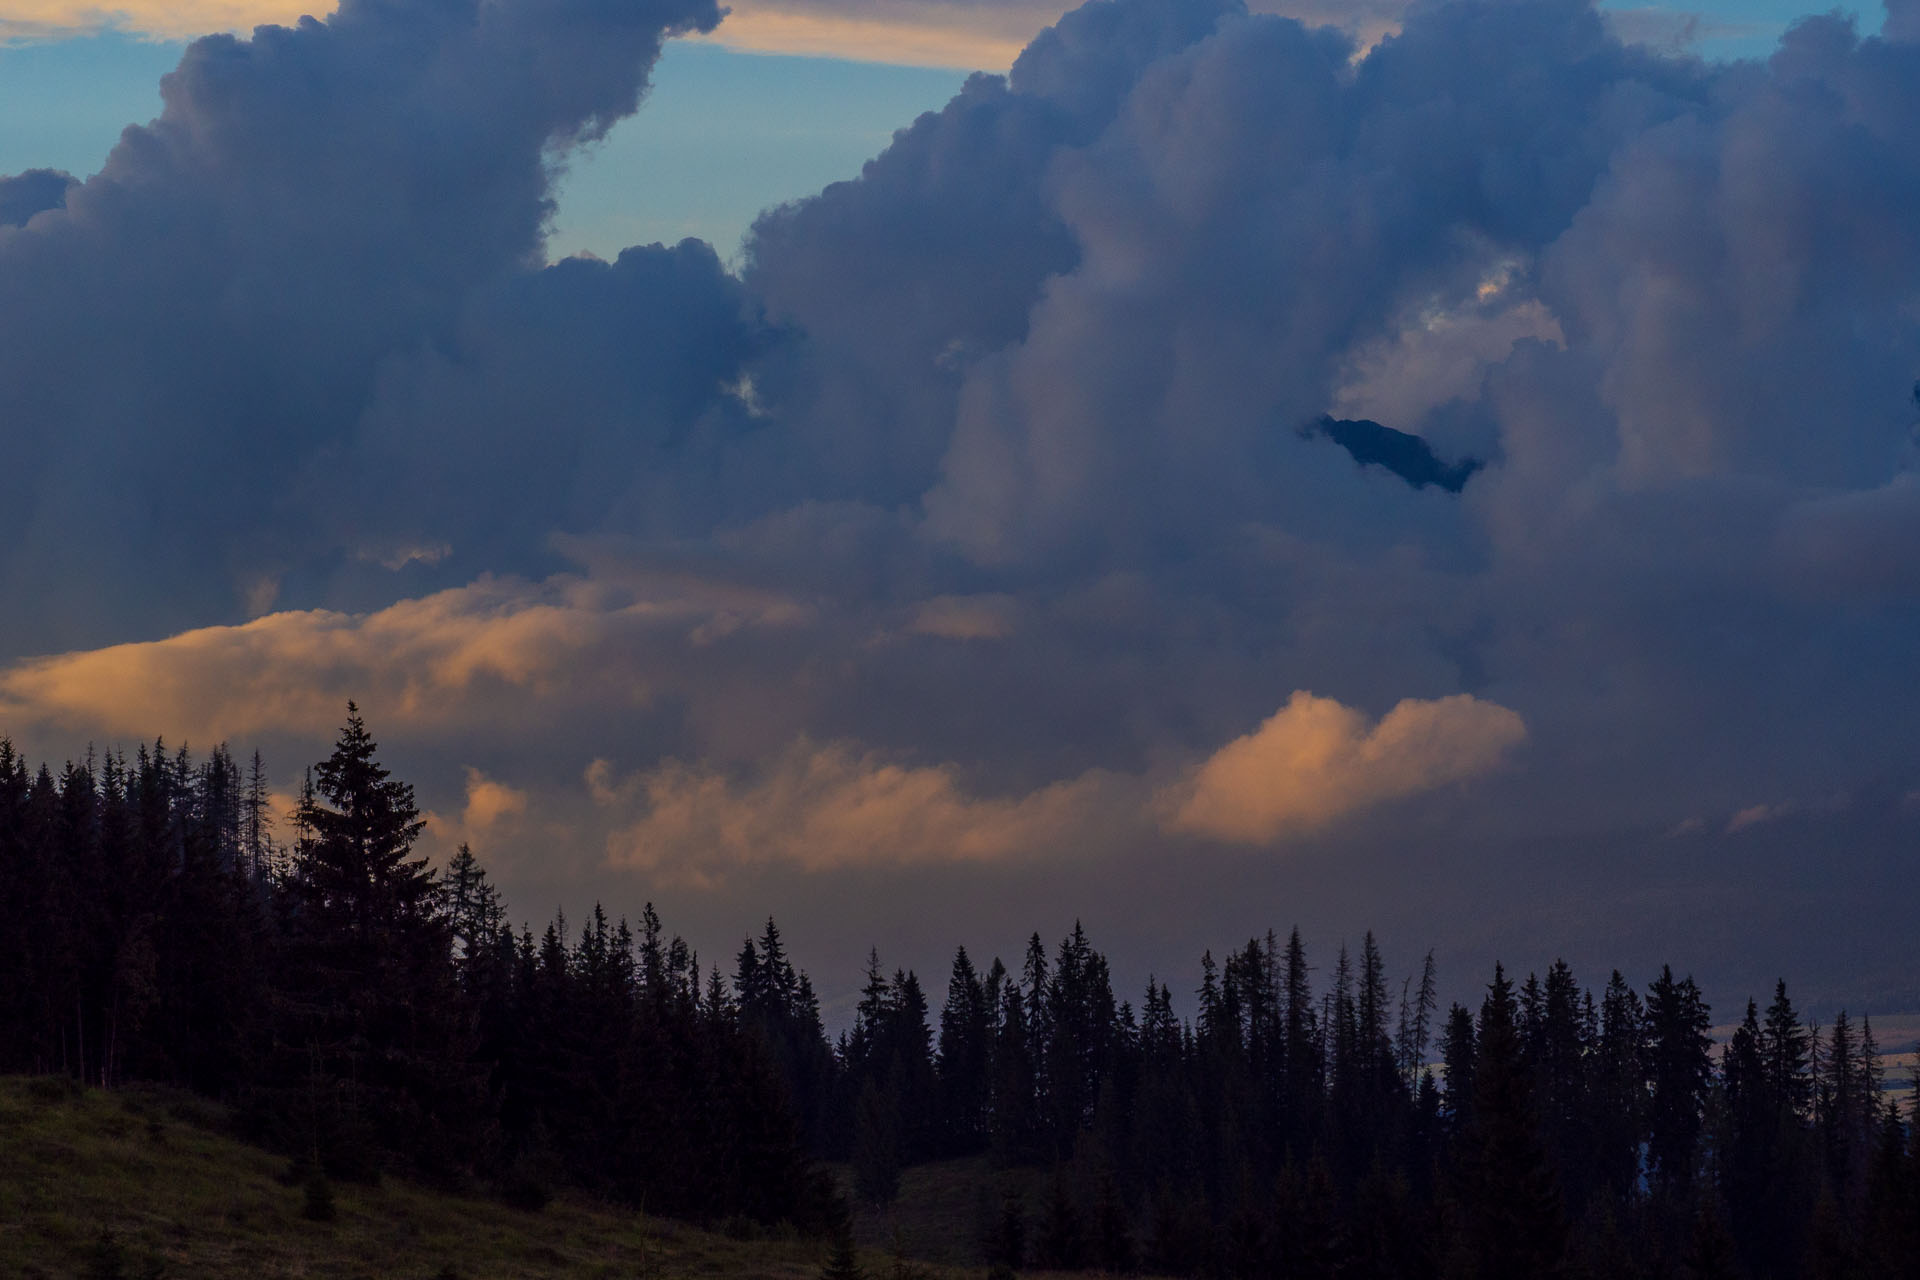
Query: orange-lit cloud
[(1316, 760), (821, 806), (159, 19), (418, 661), (968, 36), (492, 809), (922, 33), (962, 36), (489, 802)]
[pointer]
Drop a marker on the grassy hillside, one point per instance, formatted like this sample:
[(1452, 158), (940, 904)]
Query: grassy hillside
[(178, 1198), (945, 1209)]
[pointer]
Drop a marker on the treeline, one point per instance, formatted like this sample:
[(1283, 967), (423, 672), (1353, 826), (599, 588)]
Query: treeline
[(1354, 1131), (363, 1010)]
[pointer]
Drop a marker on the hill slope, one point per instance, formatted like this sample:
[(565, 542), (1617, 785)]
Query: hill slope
[(179, 1199)]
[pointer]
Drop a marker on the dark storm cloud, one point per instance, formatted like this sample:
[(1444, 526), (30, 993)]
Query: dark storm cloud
[(974, 507), (189, 346), (34, 191)]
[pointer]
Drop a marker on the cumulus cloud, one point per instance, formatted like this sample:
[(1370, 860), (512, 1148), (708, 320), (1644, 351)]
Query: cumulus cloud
[(996, 448), (831, 805), (323, 219), (35, 191), (1315, 760), (419, 662), (488, 820), (1675, 30), (825, 806), (489, 802)]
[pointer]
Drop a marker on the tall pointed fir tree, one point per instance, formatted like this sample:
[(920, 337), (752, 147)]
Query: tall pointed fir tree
[(1515, 1226), (369, 1041)]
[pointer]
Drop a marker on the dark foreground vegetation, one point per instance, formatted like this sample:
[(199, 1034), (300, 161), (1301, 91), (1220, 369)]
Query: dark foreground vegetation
[(361, 1012), (147, 1183)]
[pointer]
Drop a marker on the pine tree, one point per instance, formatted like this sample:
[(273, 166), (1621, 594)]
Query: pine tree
[(354, 866), (1618, 1098), (256, 832), (1560, 1074), (1515, 1222), (367, 1028), (1786, 1049), (966, 1029), (1416, 1024), (1459, 1058), (1679, 1068), (1014, 1125)]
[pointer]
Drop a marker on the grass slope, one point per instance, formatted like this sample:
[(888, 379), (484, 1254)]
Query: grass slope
[(945, 1209), (182, 1199)]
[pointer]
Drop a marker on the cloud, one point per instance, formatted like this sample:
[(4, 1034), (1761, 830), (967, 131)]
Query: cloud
[(968, 34), (157, 19), (492, 812), (257, 290), (489, 802), (905, 32), (1436, 356), (987, 617), (418, 662), (971, 35), (1315, 760), (981, 476), (1676, 30), (1755, 815), (32, 192), (827, 806)]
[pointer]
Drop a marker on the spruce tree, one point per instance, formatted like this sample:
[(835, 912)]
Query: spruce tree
[(1459, 1057), (366, 1025), (1515, 1222), (1679, 1068), (1785, 1049), (1618, 1097), (966, 1029)]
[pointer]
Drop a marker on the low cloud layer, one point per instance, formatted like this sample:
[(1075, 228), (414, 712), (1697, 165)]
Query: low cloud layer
[(834, 805), (424, 663), (1314, 761), (982, 503), (823, 806)]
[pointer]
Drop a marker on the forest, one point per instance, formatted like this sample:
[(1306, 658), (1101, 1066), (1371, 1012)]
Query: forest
[(364, 1012)]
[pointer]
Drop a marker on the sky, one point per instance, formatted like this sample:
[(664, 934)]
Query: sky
[(1448, 469)]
